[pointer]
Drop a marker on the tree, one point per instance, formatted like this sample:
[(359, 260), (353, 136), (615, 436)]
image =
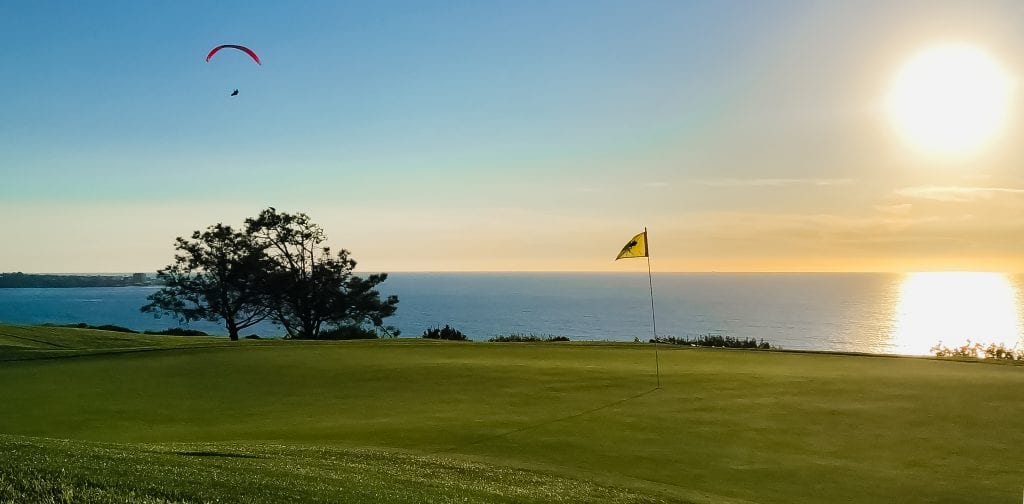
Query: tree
[(217, 275), (306, 286)]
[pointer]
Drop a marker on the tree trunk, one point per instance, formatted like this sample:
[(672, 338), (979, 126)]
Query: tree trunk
[(232, 330)]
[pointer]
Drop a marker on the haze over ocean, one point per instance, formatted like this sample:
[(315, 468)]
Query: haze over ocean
[(868, 312)]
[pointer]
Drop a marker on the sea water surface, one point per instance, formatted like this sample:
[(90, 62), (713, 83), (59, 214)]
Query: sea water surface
[(863, 312)]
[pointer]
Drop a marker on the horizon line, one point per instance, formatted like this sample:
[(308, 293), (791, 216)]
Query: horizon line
[(105, 273)]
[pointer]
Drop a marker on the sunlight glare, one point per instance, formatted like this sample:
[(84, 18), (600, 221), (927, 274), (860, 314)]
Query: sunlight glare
[(952, 307), (950, 100)]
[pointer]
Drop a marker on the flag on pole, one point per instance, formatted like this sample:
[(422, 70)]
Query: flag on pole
[(637, 247)]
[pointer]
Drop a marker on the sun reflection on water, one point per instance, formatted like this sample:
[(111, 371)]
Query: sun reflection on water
[(953, 307)]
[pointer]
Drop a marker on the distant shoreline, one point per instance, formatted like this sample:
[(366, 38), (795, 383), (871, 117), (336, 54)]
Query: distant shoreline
[(30, 281)]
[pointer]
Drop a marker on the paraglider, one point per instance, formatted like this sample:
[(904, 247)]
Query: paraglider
[(244, 49)]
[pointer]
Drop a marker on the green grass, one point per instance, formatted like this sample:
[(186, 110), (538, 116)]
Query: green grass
[(580, 422), (39, 470), (36, 342)]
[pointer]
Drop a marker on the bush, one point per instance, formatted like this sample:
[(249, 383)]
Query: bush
[(105, 327), (253, 336), (978, 351), (178, 331), (715, 340), (115, 328), (348, 332), (527, 338), (444, 333)]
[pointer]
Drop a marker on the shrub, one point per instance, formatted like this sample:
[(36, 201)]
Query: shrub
[(111, 327), (253, 336), (444, 333), (105, 327), (527, 338), (715, 340), (178, 331), (978, 351), (348, 332)]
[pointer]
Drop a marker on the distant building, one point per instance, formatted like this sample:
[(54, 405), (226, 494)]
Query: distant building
[(138, 278)]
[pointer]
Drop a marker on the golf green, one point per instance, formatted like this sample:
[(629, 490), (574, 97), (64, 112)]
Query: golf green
[(512, 422)]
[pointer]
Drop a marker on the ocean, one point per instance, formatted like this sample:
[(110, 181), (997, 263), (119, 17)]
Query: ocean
[(861, 312)]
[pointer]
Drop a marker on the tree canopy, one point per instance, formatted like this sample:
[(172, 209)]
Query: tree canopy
[(278, 267)]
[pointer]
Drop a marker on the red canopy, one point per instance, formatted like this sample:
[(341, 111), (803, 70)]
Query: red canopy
[(244, 49)]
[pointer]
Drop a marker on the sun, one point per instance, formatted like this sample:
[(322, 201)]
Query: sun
[(950, 100)]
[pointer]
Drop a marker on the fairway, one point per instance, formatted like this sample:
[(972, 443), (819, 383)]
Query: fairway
[(418, 421)]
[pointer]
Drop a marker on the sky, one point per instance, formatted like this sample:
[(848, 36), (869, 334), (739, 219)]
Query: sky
[(501, 136)]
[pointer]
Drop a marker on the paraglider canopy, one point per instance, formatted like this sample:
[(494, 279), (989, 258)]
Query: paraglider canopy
[(244, 49)]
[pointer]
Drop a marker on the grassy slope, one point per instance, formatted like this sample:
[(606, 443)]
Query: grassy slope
[(726, 426), (74, 471), (35, 342)]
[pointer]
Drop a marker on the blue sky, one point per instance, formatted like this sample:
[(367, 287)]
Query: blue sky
[(499, 127), (347, 91)]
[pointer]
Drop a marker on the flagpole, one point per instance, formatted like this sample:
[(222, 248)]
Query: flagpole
[(654, 320)]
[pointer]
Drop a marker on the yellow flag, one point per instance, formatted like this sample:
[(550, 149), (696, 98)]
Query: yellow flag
[(637, 247)]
